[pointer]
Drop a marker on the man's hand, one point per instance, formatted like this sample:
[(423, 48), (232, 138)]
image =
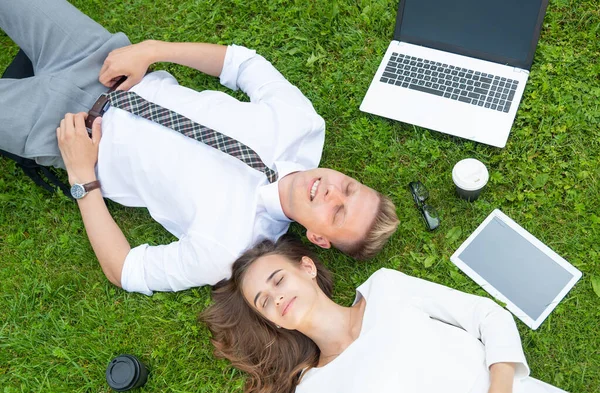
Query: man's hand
[(131, 61), (79, 151)]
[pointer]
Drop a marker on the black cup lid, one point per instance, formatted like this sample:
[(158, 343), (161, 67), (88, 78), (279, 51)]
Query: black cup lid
[(122, 373)]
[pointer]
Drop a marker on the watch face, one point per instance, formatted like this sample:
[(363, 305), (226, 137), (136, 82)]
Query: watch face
[(77, 191)]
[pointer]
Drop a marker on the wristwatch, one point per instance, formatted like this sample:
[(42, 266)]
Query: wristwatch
[(78, 191)]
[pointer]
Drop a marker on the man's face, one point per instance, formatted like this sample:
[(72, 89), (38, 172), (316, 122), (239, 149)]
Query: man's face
[(333, 207)]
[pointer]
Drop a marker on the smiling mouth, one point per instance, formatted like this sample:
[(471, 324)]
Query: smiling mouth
[(287, 307), (313, 189)]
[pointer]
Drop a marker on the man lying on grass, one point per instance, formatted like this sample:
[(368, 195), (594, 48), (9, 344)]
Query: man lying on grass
[(218, 197)]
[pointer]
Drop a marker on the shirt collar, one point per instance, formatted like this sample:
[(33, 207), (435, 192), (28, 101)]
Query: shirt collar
[(270, 192)]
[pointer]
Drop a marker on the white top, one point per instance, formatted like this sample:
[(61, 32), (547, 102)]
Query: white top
[(216, 205), (470, 174), (421, 337)]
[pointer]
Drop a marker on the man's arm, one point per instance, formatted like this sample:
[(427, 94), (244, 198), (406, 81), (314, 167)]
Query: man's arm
[(107, 239), (80, 153), (244, 69), (133, 61)]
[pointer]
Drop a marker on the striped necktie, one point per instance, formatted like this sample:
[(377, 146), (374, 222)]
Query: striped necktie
[(133, 103)]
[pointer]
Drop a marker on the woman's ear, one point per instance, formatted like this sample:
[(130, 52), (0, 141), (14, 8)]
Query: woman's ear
[(309, 266)]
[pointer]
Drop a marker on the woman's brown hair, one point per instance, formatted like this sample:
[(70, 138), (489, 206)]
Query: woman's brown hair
[(273, 358)]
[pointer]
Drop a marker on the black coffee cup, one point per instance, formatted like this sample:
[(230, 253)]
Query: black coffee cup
[(126, 372)]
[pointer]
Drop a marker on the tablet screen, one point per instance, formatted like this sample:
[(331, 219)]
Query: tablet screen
[(516, 268)]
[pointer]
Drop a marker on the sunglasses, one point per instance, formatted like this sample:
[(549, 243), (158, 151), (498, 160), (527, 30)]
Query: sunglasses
[(420, 195)]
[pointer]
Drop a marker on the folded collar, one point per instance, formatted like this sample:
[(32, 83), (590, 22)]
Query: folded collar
[(270, 192)]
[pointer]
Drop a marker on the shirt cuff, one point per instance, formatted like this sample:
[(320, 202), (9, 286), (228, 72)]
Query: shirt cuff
[(508, 355), (132, 276), (234, 58)]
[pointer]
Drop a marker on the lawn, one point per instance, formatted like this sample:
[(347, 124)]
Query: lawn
[(61, 321)]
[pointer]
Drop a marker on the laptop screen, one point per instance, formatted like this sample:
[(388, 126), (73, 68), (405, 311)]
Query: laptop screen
[(505, 31)]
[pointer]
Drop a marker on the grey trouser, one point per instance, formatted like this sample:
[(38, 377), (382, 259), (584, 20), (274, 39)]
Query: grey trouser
[(67, 50)]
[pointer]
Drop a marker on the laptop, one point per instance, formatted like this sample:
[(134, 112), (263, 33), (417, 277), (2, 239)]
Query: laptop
[(458, 67)]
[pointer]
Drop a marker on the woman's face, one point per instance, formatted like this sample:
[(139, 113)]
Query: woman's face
[(282, 291)]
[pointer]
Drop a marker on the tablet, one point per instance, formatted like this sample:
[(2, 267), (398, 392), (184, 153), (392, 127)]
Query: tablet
[(516, 268)]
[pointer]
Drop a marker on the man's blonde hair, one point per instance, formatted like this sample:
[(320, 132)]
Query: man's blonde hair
[(384, 225)]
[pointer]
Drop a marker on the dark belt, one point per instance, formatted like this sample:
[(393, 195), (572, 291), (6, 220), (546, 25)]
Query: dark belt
[(101, 105)]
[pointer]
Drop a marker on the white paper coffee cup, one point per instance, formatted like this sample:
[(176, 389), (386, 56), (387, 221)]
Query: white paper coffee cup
[(469, 176)]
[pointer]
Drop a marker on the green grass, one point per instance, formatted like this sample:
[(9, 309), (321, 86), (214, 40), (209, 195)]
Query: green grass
[(61, 321)]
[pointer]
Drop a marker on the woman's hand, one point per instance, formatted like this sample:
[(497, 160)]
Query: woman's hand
[(501, 377), (131, 61), (79, 151)]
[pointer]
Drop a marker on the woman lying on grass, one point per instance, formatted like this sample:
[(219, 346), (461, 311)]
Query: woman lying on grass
[(274, 319)]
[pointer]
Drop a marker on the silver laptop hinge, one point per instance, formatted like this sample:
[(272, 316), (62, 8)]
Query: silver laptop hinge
[(520, 70)]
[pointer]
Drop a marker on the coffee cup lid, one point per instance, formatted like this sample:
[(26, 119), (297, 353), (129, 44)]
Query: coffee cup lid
[(470, 174), (122, 373)]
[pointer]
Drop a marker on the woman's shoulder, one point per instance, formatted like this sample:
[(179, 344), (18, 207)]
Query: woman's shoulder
[(382, 279), (384, 275)]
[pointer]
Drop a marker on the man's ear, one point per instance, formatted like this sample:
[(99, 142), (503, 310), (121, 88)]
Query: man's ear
[(318, 239)]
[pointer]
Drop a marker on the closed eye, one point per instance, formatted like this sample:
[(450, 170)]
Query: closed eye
[(279, 281), (337, 214), (265, 301)]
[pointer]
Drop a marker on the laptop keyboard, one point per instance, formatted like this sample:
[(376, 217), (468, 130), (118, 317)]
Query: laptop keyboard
[(455, 83)]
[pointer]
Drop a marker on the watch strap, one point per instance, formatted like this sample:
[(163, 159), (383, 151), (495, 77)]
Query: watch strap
[(91, 185)]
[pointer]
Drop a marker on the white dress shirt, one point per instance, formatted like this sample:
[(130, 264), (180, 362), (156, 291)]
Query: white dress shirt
[(421, 337), (216, 205)]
